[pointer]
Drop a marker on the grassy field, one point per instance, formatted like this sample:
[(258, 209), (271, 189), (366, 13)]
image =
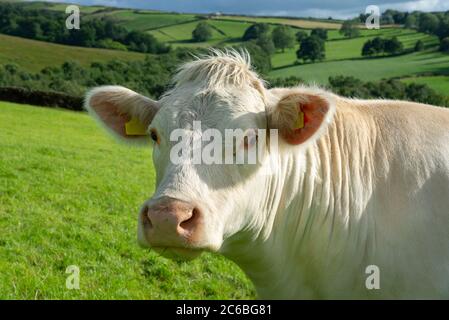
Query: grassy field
[(143, 21), (370, 69), (181, 35), (342, 48), (69, 195), (299, 23), (34, 55), (343, 56)]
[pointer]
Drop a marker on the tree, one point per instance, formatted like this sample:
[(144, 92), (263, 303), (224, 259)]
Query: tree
[(368, 49), (283, 37), (410, 21), (255, 31), (393, 46), (378, 44), (259, 57), (266, 43), (311, 48), (444, 45), (363, 17), (443, 28), (373, 47), (428, 23), (301, 35), (349, 29), (386, 18), (202, 32), (320, 33), (419, 45), (48, 25)]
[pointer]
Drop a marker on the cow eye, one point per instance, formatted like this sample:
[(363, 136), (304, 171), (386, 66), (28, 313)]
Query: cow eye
[(154, 136)]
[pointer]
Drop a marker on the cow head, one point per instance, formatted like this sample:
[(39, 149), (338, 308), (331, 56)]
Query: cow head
[(198, 206)]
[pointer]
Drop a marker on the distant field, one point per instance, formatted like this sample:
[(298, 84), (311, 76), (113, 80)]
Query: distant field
[(370, 69), (35, 55), (60, 6), (145, 20), (181, 35), (69, 195), (300, 23), (343, 48), (343, 56)]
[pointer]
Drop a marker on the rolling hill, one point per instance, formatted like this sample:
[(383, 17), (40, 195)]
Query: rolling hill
[(371, 69), (81, 211), (35, 55), (343, 56)]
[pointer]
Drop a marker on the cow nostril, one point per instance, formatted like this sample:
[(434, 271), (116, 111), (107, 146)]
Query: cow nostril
[(145, 217), (190, 223)]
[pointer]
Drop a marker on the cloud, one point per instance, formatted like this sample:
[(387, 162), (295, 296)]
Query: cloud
[(420, 5)]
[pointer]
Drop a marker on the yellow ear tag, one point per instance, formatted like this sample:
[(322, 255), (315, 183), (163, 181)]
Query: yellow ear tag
[(135, 128), (299, 124)]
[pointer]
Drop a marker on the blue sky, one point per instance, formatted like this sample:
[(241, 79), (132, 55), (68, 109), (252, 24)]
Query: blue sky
[(300, 8)]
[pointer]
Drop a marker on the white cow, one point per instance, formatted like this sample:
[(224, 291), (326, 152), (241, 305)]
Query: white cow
[(357, 205)]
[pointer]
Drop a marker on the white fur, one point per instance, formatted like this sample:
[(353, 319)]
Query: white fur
[(370, 187)]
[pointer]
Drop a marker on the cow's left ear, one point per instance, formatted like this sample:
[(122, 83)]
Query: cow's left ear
[(300, 116), (123, 112)]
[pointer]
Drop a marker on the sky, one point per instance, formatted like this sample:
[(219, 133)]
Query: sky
[(340, 9)]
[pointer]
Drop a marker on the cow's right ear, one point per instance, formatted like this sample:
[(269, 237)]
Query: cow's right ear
[(123, 112), (300, 114)]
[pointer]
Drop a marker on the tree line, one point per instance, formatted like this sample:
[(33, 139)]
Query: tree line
[(47, 25), (395, 89), (151, 77)]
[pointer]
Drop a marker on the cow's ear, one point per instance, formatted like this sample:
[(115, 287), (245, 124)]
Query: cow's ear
[(300, 116), (125, 113)]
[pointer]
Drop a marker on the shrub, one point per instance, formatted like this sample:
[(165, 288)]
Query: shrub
[(255, 31), (202, 32), (283, 37), (349, 29), (444, 45), (312, 48), (419, 45), (320, 33)]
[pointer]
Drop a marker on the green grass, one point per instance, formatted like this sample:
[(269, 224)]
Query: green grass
[(370, 69), (145, 20), (181, 35), (34, 55), (223, 32), (341, 48), (438, 83), (232, 29), (69, 195)]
